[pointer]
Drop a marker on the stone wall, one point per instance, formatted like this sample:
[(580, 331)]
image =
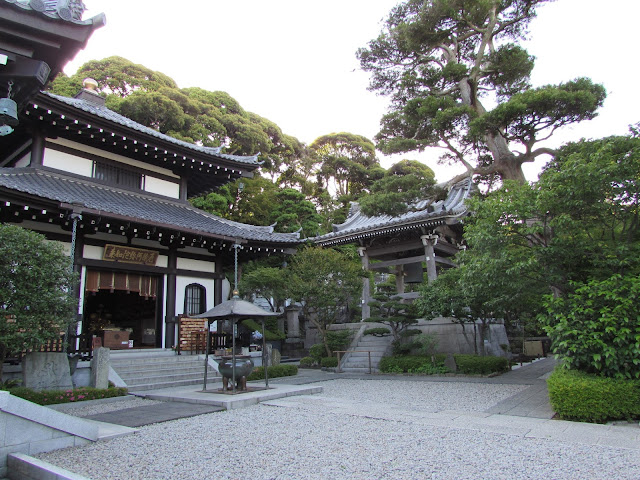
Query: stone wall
[(30, 429)]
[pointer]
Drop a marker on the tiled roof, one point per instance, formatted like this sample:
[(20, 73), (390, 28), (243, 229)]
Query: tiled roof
[(104, 113), (423, 212), (138, 206), (68, 11)]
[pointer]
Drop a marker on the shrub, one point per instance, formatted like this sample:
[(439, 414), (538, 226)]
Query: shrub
[(329, 362), (377, 332), (275, 371), (590, 398), (597, 328), (412, 364), (307, 362), (477, 365), (339, 339), (317, 351), (52, 397)]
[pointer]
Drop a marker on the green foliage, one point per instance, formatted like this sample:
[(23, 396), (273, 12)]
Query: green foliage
[(329, 362), (306, 362), (271, 334), (36, 285), (377, 332), (391, 311), (327, 283), (413, 364), (584, 397), (403, 183), (317, 351), (339, 339), (269, 283), (293, 212), (275, 371), (478, 365), (52, 397), (348, 163), (596, 329), (442, 62)]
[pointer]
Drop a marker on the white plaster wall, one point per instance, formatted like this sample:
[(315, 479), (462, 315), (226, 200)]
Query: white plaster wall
[(161, 187), (181, 284), (67, 162), (196, 265), (113, 156)]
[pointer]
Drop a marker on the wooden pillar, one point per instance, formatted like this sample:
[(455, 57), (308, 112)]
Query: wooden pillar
[(366, 284), (170, 315), (37, 149), (400, 279), (217, 300), (429, 242)]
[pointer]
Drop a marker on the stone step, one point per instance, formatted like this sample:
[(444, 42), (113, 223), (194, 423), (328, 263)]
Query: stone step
[(175, 359), (181, 383), (364, 370), (377, 355), (133, 371), (160, 367), (132, 382), (368, 340)]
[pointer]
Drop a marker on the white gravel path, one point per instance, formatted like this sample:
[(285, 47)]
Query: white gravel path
[(95, 409), (273, 443)]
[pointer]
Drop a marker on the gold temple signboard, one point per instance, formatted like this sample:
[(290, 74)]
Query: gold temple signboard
[(120, 253)]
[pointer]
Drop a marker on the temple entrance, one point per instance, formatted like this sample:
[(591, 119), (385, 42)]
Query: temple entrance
[(122, 309)]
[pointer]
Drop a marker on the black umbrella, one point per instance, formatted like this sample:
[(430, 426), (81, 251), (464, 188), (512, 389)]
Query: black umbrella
[(234, 310)]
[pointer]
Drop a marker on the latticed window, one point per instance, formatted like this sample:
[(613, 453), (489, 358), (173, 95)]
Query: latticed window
[(194, 299), (117, 175)]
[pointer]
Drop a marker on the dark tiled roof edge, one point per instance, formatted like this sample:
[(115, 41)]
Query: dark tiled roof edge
[(357, 223), (111, 116), (71, 13), (139, 206)]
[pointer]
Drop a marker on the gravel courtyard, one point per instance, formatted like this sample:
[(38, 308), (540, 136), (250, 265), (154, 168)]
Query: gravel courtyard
[(355, 429)]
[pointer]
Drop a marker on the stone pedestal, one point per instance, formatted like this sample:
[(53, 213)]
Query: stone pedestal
[(100, 368), (46, 371), (293, 322)]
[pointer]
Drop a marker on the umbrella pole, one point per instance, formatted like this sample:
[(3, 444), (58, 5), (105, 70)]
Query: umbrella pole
[(206, 357), (233, 355), (264, 356)]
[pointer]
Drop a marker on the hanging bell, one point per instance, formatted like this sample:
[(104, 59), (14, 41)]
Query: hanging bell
[(8, 112)]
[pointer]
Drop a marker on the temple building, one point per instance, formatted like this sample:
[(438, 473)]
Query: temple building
[(112, 191), (410, 246)]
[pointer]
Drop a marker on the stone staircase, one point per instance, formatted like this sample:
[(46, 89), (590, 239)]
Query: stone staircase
[(358, 361), (159, 368)]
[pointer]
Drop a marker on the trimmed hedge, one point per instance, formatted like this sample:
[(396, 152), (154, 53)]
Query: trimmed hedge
[(467, 364), (329, 362), (477, 365), (53, 397), (274, 372), (377, 332), (586, 397), (412, 364)]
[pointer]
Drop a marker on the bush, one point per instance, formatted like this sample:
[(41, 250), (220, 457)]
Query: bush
[(317, 351), (307, 362), (596, 329), (477, 365), (275, 371), (590, 398), (329, 362), (52, 397), (412, 364), (377, 332), (339, 339)]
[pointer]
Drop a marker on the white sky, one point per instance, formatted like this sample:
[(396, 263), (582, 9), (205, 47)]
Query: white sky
[(293, 61)]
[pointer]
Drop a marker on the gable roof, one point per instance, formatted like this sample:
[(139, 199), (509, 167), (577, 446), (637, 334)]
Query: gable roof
[(425, 213), (90, 197)]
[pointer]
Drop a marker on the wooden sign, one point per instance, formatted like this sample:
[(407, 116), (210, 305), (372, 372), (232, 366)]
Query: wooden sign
[(121, 253)]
